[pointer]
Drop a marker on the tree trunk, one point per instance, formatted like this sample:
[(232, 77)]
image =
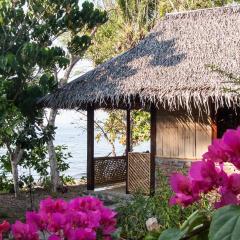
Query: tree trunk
[(113, 149), (55, 177), (16, 156), (15, 178)]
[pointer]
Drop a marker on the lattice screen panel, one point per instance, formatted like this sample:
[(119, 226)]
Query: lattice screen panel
[(139, 170), (110, 170)]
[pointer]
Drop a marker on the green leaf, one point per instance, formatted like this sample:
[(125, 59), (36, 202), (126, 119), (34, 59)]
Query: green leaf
[(171, 234), (195, 220), (225, 224)]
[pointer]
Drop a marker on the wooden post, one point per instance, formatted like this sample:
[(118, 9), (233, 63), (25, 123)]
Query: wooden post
[(153, 148), (128, 142), (90, 148), (213, 116), (214, 129)]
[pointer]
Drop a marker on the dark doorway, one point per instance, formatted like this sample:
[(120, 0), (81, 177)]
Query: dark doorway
[(227, 118)]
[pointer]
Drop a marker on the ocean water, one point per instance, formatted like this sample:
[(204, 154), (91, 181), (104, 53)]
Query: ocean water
[(71, 132)]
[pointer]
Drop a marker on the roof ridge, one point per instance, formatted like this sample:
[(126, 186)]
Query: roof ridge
[(234, 7)]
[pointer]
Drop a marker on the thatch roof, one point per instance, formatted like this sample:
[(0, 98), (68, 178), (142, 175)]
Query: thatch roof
[(168, 67)]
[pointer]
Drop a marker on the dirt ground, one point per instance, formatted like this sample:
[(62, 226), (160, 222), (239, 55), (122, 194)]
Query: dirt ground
[(12, 208)]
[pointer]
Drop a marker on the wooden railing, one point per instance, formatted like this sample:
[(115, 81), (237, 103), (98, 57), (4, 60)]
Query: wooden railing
[(110, 170)]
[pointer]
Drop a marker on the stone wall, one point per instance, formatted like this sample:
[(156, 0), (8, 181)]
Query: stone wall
[(166, 166)]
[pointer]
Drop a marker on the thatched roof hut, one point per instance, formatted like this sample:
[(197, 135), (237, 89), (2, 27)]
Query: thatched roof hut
[(169, 67), (169, 72)]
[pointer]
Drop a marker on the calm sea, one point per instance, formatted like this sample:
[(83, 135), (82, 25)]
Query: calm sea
[(71, 132)]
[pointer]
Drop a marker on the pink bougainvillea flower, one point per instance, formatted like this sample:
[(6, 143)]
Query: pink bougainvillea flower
[(54, 237), (206, 175), (185, 192), (4, 227), (80, 219), (56, 222), (209, 173), (52, 206), (217, 152), (108, 221), (85, 204), (221, 178), (40, 220), (227, 198), (77, 219), (24, 231), (180, 183), (232, 184), (82, 234), (107, 238), (231, 139)]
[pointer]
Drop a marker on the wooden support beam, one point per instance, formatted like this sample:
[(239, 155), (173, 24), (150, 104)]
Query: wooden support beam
[(214, 129), (128, 142), (213, 122), (153, 147), (128, 132), (90, 148)]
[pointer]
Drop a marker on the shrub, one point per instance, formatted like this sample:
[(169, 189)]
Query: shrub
[(132, 215), (206, 176), (209, 175)]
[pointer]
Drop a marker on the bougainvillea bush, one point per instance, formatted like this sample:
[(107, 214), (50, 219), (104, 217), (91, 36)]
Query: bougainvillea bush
[(209, 175), (83, 218)]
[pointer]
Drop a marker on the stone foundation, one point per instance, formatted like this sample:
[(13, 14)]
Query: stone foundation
[(166, 166)]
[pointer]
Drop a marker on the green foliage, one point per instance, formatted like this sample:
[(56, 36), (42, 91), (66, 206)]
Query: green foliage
[(27, 57), (5, 184), (225, 224), (114, 128), (203, 225), (196, 227), (35, 160), (185, 5), (129, 21), (29, 62), (140, 127), (170, 234), (107, 41), (198, 221), (132, 216)]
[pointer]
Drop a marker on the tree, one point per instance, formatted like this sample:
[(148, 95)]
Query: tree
[(168, 6), (115, 127), (76, 47), (129, 22), (29, 63)]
